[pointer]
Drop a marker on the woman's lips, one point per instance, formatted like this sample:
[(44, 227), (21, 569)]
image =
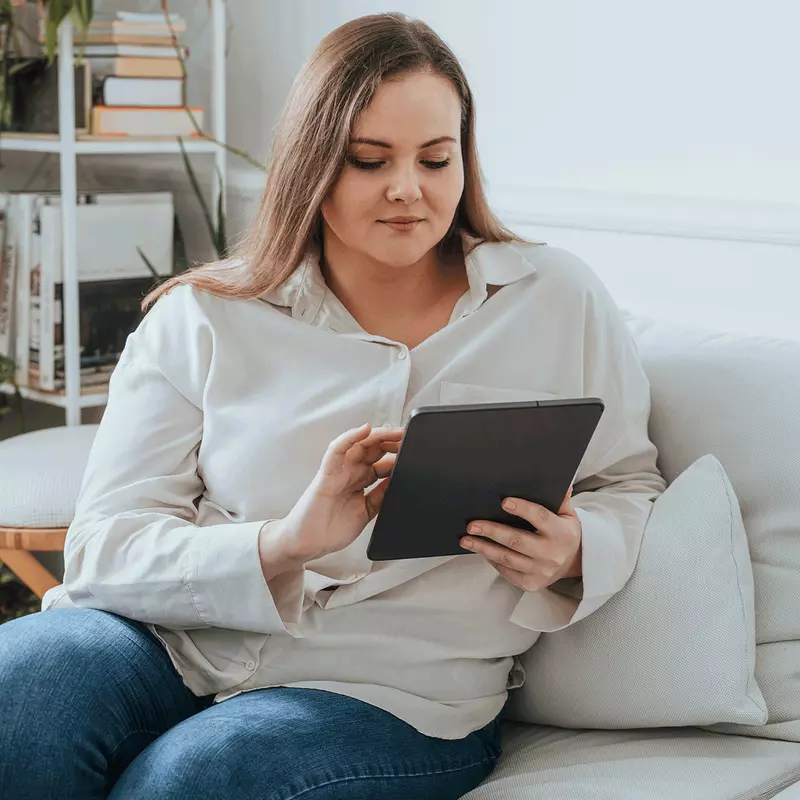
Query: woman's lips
[(401, 226)]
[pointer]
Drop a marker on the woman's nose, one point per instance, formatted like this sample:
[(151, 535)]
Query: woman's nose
[(404, 185)]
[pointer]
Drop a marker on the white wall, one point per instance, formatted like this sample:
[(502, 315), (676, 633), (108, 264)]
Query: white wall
[(692, 97), (660, 142)]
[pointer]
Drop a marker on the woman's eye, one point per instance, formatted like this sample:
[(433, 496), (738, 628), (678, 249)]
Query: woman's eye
[(356, 162), (359, 164), (436, 164)]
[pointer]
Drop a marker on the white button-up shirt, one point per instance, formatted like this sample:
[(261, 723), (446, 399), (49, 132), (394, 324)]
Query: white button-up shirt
[(218, 416)]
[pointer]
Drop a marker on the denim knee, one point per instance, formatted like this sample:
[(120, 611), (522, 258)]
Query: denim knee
[(79, 687)]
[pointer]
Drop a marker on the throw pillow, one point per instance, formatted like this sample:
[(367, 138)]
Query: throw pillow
[(674, 647)]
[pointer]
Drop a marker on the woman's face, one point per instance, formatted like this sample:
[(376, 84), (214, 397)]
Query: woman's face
[(404, 160)]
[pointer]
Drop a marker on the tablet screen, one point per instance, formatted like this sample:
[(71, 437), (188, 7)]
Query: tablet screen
[(457, 464)]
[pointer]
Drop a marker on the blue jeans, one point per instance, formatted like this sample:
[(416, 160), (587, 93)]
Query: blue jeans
[(92, 707)]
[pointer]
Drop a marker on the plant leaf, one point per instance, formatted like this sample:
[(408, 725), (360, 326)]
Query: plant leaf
[(149, 264), (180, 260), (86, 11), (56, 11), (20, 65), (82, 14), (221, 240)]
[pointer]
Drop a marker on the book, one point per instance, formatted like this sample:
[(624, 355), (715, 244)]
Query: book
[(102, 31), (139, 16), (24, 215), (135, 51), (34, 96), (109, 311), (171, 122), (136, 67), (43, 317), (112, 37), (105, 25), (139, 92), (112, 280), (8, 276)]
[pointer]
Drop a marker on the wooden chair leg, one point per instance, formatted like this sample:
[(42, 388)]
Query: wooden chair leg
[(28, 570)]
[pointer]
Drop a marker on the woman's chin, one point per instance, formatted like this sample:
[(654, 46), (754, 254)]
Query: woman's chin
[(400, 255)]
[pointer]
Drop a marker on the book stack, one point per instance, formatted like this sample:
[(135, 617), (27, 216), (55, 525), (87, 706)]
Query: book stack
[(138, 76), (113, 230)]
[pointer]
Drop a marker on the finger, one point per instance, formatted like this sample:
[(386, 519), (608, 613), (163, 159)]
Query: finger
[(526, 542), (374, 497), (498, 553), (522, 580), (390, 447), (368, 450), (389, 434), (566, 503), (540, 517), (342, 443), (380, 436), (384, 466)]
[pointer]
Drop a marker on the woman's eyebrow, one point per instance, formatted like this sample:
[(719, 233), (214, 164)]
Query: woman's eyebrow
[(378, 143)]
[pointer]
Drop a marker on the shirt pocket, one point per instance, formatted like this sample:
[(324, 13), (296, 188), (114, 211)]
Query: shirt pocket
[(452, 393)]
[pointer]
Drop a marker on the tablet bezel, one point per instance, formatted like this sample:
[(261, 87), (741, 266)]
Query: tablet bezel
[(384, 535)]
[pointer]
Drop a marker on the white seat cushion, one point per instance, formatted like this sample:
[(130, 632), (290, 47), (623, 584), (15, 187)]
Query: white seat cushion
[(544, 763), (737, 398), (40, 476)]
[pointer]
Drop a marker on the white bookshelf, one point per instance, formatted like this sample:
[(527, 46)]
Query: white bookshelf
[(85, 400), (104, 145), (68, 147)]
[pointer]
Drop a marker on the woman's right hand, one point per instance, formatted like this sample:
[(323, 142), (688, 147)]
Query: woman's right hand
[(334, 509)]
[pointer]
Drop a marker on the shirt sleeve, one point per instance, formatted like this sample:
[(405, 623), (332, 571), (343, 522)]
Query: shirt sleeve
[(133, 547), (618, 479)]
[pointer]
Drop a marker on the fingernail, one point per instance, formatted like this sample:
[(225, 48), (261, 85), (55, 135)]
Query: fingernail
[(509, 505), (467, 543), (474, 528)]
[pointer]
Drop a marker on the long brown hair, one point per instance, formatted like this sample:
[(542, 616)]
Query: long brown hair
[(311, 139)]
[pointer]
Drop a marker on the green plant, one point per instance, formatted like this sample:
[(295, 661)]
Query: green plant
[(81, 12), (13, 402), (16, 599)]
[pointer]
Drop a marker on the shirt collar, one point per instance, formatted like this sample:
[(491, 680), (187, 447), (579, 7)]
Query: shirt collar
[(487, 263)]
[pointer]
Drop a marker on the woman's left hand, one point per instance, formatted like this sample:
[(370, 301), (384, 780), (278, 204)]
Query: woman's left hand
[(531, 560)]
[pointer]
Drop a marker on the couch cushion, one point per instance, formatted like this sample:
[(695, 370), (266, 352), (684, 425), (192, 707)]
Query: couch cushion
[(738, 399), (545, 763), (676, 646), (40, 476)]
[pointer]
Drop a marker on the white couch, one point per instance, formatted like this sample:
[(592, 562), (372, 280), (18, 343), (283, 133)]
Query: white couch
[(711, 393), (738, 399)]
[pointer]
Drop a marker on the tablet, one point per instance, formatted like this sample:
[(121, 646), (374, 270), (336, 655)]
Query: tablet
[(456, 463)]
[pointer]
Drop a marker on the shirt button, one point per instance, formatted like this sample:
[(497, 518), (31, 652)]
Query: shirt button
[(251, 665), (401, 355)]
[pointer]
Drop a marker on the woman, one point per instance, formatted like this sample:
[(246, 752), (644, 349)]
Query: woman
[(220, 631)]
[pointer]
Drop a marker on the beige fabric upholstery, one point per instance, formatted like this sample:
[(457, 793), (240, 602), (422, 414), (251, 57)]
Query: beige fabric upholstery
[(676, 646), (40, 476), (546, 763), (738, 399)]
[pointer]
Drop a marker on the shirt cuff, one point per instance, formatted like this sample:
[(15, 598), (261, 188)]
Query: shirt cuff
[(571, 599), (228, 588)]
